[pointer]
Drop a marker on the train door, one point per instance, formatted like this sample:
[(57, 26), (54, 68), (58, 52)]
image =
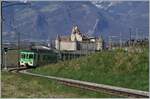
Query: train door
[(35, 56)]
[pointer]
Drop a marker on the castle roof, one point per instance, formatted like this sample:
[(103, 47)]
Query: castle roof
[(65, 38), (75, 30)]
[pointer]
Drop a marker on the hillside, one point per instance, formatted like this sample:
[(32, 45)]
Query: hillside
[(15, 85), (119, 68), (44, 20)]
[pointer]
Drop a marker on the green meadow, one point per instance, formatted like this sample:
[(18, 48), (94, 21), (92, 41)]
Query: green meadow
[(118, 68)]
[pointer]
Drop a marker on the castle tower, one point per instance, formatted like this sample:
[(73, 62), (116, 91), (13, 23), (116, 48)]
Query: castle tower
[(76, 29), (100, 43), (76, 35), (57, 42)]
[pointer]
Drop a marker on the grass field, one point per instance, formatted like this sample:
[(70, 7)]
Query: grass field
[(118, 68), (24, 86)]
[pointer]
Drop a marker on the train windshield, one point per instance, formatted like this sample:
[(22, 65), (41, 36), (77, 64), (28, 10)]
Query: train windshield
[(22, 55), (30, 56)]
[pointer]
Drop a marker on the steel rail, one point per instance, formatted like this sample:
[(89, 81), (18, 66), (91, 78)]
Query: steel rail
[(113, 90), (18, 69)]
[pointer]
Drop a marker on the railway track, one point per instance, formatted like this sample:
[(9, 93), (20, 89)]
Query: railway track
[(118, 91), (17, 69)]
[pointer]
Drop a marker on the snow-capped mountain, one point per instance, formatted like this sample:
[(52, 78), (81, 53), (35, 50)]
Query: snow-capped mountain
[(44, 20), (103, 4), (123, 15)]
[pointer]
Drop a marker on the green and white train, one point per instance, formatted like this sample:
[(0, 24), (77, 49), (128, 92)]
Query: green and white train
[(33, 58)]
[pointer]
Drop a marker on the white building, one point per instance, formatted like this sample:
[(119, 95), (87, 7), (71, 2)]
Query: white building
[(78, 41)]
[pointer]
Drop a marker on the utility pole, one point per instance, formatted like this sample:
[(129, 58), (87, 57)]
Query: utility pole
[(130, 36), (5, 68), (18, 39), (141, 35), (2, 20), (18, 49), (137, 36), (5, 58), (120, 40), (12, 25), (110, 42)]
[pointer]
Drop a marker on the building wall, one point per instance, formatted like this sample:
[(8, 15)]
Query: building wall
[(87, 46), (76, 36), (78, 45), (57, 44), (99, 45), (68, 46)]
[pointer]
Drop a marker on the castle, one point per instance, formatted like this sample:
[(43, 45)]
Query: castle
[(78, 41)]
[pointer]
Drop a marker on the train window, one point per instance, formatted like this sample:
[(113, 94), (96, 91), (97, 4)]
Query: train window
[(22, 55), (44, 56), (26, 55), (30, 56), (34, 56)]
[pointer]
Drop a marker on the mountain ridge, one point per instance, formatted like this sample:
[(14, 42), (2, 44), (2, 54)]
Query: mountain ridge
[(44, 20)]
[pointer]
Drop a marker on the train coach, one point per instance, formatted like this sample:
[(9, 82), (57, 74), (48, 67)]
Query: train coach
[(34, 58)]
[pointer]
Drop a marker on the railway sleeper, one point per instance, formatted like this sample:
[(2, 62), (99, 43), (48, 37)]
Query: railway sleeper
[(103, 90)]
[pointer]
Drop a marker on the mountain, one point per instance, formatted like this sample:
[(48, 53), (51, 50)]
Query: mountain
[(43, 20), (102, 4), (122, 15)]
